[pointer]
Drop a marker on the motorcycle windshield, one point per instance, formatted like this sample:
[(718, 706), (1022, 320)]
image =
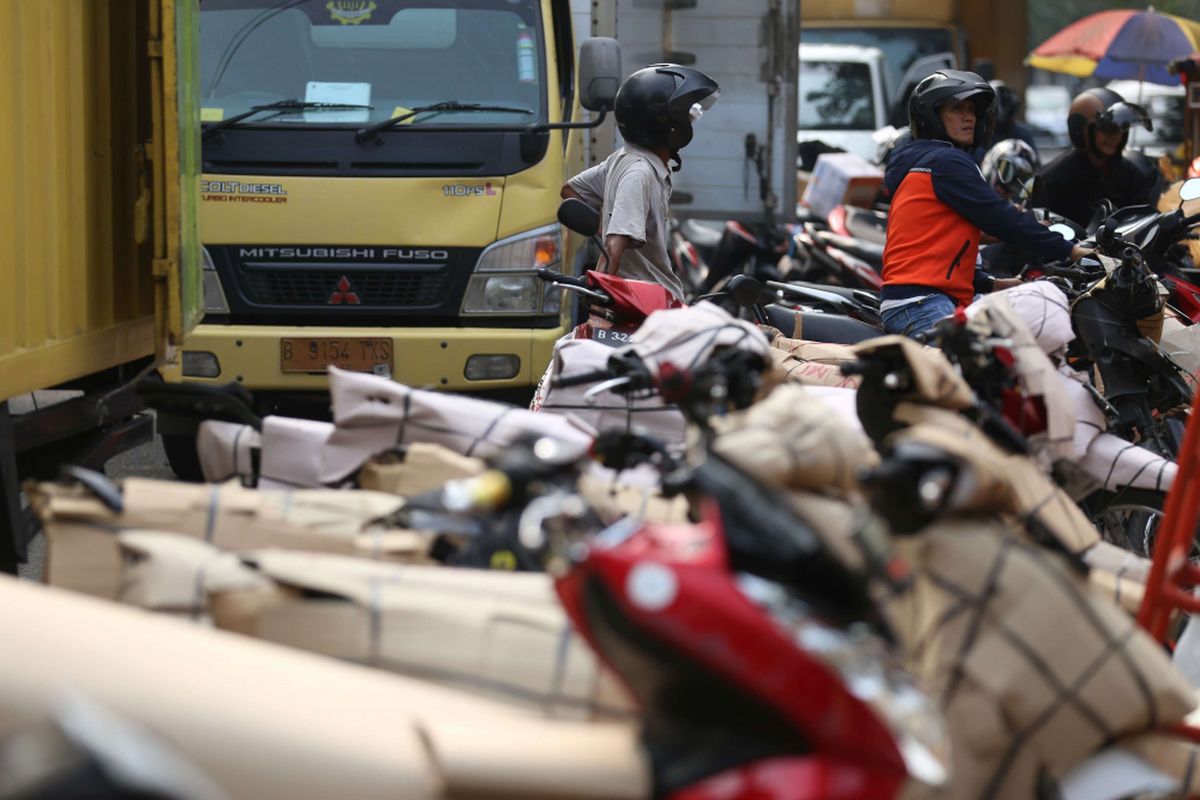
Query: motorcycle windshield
[(633, 298)]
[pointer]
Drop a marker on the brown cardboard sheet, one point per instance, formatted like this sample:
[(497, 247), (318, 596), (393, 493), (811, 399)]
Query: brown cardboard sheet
[(83, 555), (264, 721), (502, 634)]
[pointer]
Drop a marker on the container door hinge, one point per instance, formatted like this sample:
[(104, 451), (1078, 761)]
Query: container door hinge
[(154, 48), (162, 267)]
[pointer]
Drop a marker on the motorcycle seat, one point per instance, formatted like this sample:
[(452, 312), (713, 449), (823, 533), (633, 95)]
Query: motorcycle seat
[(866, 226), (867, 251), (814, 327), (857, 296), (704, 236)]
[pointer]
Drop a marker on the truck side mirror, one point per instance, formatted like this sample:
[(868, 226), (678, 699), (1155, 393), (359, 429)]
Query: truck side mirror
[(599, 73), (578, 216)]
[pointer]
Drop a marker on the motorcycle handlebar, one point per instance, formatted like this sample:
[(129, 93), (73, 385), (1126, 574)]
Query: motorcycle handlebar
[(1191, 220), (550, 276)]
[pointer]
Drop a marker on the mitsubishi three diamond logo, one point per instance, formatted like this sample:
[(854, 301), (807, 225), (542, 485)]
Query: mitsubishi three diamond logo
[(343, 294)]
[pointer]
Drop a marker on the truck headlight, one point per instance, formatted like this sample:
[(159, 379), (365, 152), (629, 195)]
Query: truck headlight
[(505, 282), (214, 293)]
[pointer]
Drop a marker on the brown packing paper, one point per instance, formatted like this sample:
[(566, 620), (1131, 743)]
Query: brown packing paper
[(935, 381), (1176, 757), (82, 553), (791, 440), (173, 573), (265, 722), (502, 634), (476, 764), (1032, 670), (1005, 482), (416, 468), (612, 499)]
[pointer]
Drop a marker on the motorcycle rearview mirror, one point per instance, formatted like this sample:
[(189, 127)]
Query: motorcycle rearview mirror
[(579, 217), (1065, 231), (599, 73), (744, 290), (1190, 190)]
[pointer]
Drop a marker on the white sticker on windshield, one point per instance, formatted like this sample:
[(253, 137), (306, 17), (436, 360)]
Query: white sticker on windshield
[(355, 94)]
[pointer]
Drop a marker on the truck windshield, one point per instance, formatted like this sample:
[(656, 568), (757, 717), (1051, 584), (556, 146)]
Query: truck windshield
[(900, 46), (391, 55), (836, 95)]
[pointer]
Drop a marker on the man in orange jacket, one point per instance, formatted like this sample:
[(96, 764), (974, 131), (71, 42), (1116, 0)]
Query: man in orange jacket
[(940, 202)]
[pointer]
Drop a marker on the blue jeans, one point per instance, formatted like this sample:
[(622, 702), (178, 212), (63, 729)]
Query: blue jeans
[(913, 318)]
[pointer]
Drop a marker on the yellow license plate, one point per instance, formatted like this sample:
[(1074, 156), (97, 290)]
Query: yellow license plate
[(361, 354)]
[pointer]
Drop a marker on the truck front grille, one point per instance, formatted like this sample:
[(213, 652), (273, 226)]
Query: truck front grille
[(394, 287)]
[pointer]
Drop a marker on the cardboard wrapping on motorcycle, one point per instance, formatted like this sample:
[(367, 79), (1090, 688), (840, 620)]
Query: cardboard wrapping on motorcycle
[(285, 455), (997, 315), (83, 553), (477, 764), (264, 721), (374, 414), (813, 363), (612, 496), (935, 380), (416, 468), (1005, 482), (1033, 670), (1177, 757), (171, 573), (1118, 574), (227, 450), (501, 634), (792, 440), (687, 337), (607, 410)]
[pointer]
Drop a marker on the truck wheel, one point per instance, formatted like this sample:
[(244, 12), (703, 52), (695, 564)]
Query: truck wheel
[(182, 456)]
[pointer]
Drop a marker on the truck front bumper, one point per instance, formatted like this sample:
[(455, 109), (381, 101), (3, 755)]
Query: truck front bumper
[(422, 357)]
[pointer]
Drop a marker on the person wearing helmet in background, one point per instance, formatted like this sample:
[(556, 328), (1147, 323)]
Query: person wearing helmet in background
[(1008, 107), (941, 202), (655, 110), (1010, 168), (1095, 169)]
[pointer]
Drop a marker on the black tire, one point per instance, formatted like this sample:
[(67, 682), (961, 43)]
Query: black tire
[(1130, 518), (183, 458)]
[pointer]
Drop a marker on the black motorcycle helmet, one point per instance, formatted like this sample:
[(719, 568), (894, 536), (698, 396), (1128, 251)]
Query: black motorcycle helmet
[(1102, 108), (1006, 106), (654, 105), (950, 85)]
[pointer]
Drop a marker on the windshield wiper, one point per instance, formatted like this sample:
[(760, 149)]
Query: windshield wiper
[(281, 107), (448, 105)]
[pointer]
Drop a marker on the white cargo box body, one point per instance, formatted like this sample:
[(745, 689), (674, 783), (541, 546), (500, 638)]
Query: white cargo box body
[(750, 48), (841, 178)]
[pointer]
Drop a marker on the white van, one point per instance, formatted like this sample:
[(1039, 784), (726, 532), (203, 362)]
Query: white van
[(842, 96)]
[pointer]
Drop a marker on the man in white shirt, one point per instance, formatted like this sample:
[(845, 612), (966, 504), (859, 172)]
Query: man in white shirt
[(655, 110)]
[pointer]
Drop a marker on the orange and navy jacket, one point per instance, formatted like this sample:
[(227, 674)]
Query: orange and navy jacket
[(940, 202)]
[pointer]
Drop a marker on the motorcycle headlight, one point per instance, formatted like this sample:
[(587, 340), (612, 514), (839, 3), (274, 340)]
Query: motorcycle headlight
[(505, 282), (861, 658)]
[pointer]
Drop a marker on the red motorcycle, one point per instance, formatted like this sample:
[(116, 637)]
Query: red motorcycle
[(760, 659)]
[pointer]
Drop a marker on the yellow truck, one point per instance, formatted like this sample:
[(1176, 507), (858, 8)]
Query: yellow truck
[(99, 250), (380, 182)]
